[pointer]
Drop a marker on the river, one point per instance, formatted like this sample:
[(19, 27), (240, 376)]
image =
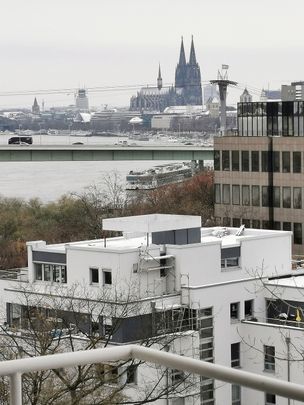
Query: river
[(50, 180)]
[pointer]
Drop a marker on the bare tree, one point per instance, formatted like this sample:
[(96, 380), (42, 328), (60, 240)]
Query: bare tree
[(70, 319)]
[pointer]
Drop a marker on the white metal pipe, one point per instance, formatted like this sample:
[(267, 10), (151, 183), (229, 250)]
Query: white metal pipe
[(16, 389), (174, 361), (227, 374)]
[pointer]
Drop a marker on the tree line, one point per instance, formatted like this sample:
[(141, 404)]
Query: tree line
[(79, 216)]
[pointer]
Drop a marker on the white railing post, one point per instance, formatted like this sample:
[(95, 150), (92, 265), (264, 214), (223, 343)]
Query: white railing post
[(16, 389)]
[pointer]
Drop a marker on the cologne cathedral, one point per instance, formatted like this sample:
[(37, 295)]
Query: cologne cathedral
[(187, 89)]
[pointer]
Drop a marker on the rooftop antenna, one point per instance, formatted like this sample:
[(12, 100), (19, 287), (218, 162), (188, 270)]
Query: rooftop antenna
[(223, 82)]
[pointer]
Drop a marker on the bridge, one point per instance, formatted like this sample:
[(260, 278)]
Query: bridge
[(36, 153)]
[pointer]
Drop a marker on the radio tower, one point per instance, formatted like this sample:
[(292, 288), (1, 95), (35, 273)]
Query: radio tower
[(223, 82)]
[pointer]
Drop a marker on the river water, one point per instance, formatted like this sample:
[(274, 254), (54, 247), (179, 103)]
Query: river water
[(50, 180)]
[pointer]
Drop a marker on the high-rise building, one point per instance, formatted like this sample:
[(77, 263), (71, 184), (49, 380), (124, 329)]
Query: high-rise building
[(187, 89), (259, 174), (82, 101)]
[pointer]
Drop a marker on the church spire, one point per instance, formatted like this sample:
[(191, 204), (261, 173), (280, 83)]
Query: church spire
[(192, 60), (159, 79), (182, 58)]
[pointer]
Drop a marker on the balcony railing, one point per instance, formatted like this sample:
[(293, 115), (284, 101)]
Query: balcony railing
[(18, 274), (15, 368), (279, 321)]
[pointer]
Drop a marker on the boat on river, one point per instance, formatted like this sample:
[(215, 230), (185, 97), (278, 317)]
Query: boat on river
[(159, 176)]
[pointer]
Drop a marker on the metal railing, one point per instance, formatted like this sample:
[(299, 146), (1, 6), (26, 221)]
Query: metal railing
[(15, 368)]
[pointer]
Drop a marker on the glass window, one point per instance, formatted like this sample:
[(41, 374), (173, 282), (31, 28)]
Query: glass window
[(277, 225), (286, 226), (265, 196), (277, 197), (296, 162), (256, 223), (234, 311), (297, 197), (255, 196), (269, 358), (248, 308), (236, 222), (286, 197), (265, 161), (217, 160), (286, 162), (297, 233), (226, 221), (94, 275), (131, 374), (265, 225), (235, 354), (226, 193), (255, 161), (63, 274), (107, 277), (246, 222), (276, 161), (206, 351), (217, 189), (235, 394), (47, 272), (235, 160), (235, 194), (225, 160), (245, 195), (38, 269), (245, 161), (270, 399), (207, 392)]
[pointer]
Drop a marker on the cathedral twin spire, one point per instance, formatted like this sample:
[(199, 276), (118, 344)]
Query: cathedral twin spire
[(182, 58)]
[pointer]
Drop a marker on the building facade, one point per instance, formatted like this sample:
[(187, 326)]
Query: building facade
[(187, 89), (200, 292), (259, 174), (82, 101)]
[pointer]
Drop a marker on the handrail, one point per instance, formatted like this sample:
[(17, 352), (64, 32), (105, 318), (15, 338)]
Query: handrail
[(15, 368)]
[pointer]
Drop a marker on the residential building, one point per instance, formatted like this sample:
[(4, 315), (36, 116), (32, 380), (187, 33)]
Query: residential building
[(223, 295), (259, 173)]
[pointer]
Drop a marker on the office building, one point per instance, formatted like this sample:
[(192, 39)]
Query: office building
[(259, 173)]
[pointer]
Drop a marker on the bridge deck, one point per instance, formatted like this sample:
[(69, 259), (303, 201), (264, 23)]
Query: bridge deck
[(23, 153)]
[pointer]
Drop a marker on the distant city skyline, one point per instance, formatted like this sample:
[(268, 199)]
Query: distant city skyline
[(64, 44)]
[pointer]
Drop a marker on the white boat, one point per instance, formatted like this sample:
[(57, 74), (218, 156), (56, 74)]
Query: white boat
[(159, 176)]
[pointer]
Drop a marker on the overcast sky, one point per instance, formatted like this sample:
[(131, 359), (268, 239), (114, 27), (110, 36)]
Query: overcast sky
[(69, 43)]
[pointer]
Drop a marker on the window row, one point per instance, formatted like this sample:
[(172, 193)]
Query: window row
[(106, 276), (53, 273), (258, 161), (257, 196), (271, 126), (296, 227), (271, 109)]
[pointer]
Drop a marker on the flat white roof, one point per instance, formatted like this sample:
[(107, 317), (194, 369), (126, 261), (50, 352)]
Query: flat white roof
[(297, 282), (151, 223)]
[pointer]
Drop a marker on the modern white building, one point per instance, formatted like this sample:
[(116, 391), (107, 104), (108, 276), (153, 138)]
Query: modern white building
[(223, 295)]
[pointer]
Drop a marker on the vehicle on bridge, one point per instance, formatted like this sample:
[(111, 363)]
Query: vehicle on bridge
[(20, 140)]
